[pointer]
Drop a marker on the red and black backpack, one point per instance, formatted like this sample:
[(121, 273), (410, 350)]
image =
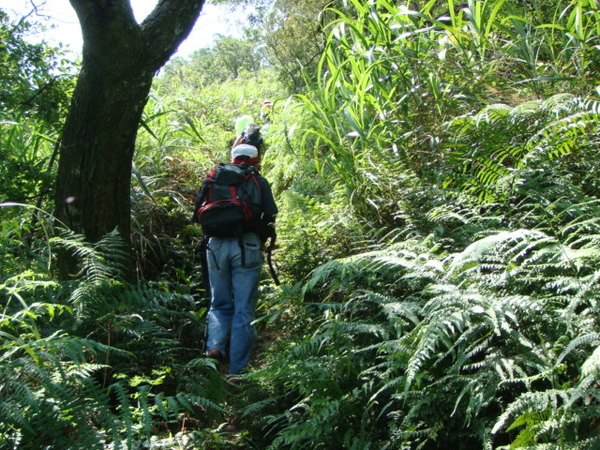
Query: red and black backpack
[(231, 200)]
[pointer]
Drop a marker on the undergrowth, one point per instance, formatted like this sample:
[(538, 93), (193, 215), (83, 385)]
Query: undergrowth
[(97, 363), (409, 349)]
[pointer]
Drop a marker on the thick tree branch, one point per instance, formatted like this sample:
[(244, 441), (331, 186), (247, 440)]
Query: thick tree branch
[(104, 23), (167, 26), (109, 26)]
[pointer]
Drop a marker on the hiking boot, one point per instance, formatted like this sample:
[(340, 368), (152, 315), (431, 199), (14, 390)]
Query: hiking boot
[(236, 381), (214, 354)]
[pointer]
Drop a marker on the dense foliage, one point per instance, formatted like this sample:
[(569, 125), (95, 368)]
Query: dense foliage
[(35, 79), (437, 177)]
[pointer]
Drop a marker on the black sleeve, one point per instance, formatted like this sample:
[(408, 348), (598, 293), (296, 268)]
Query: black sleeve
[(269, 211), (268, 206)]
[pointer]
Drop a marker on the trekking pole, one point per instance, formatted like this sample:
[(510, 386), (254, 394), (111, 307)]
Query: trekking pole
[(206, 285), (270, 262)]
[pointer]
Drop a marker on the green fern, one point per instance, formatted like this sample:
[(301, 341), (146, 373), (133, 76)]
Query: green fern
[(460, 338), (72, 392), (562, 416), (491, 144)]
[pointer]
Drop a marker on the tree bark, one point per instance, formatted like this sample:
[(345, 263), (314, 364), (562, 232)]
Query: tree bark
[(119, 60)]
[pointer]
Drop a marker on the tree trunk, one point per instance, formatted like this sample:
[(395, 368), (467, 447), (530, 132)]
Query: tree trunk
[(120, 59)]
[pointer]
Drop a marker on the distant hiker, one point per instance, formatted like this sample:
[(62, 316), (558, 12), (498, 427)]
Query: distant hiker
[(265, 111), (250, 135), (236, 209)]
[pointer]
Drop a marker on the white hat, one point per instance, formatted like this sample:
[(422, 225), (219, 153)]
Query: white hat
[(244, 150)]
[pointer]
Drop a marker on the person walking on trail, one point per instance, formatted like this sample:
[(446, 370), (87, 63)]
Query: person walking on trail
[(234, 252), (250, 134), (265, 111)]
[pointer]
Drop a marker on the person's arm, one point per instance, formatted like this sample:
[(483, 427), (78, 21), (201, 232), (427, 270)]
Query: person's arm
[(268, 207), (238, 140)]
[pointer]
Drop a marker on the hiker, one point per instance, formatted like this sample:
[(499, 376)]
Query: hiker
[(266, 111), (242, 123), (250, 135), (234, 258)]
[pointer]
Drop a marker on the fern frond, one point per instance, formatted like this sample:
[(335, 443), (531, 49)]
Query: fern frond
[(101, 261), (124, 411), (591, 366), (496, 144), (586, 339), (553, 416)]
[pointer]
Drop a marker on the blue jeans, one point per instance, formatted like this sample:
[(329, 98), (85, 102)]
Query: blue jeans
[(233, 287)]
